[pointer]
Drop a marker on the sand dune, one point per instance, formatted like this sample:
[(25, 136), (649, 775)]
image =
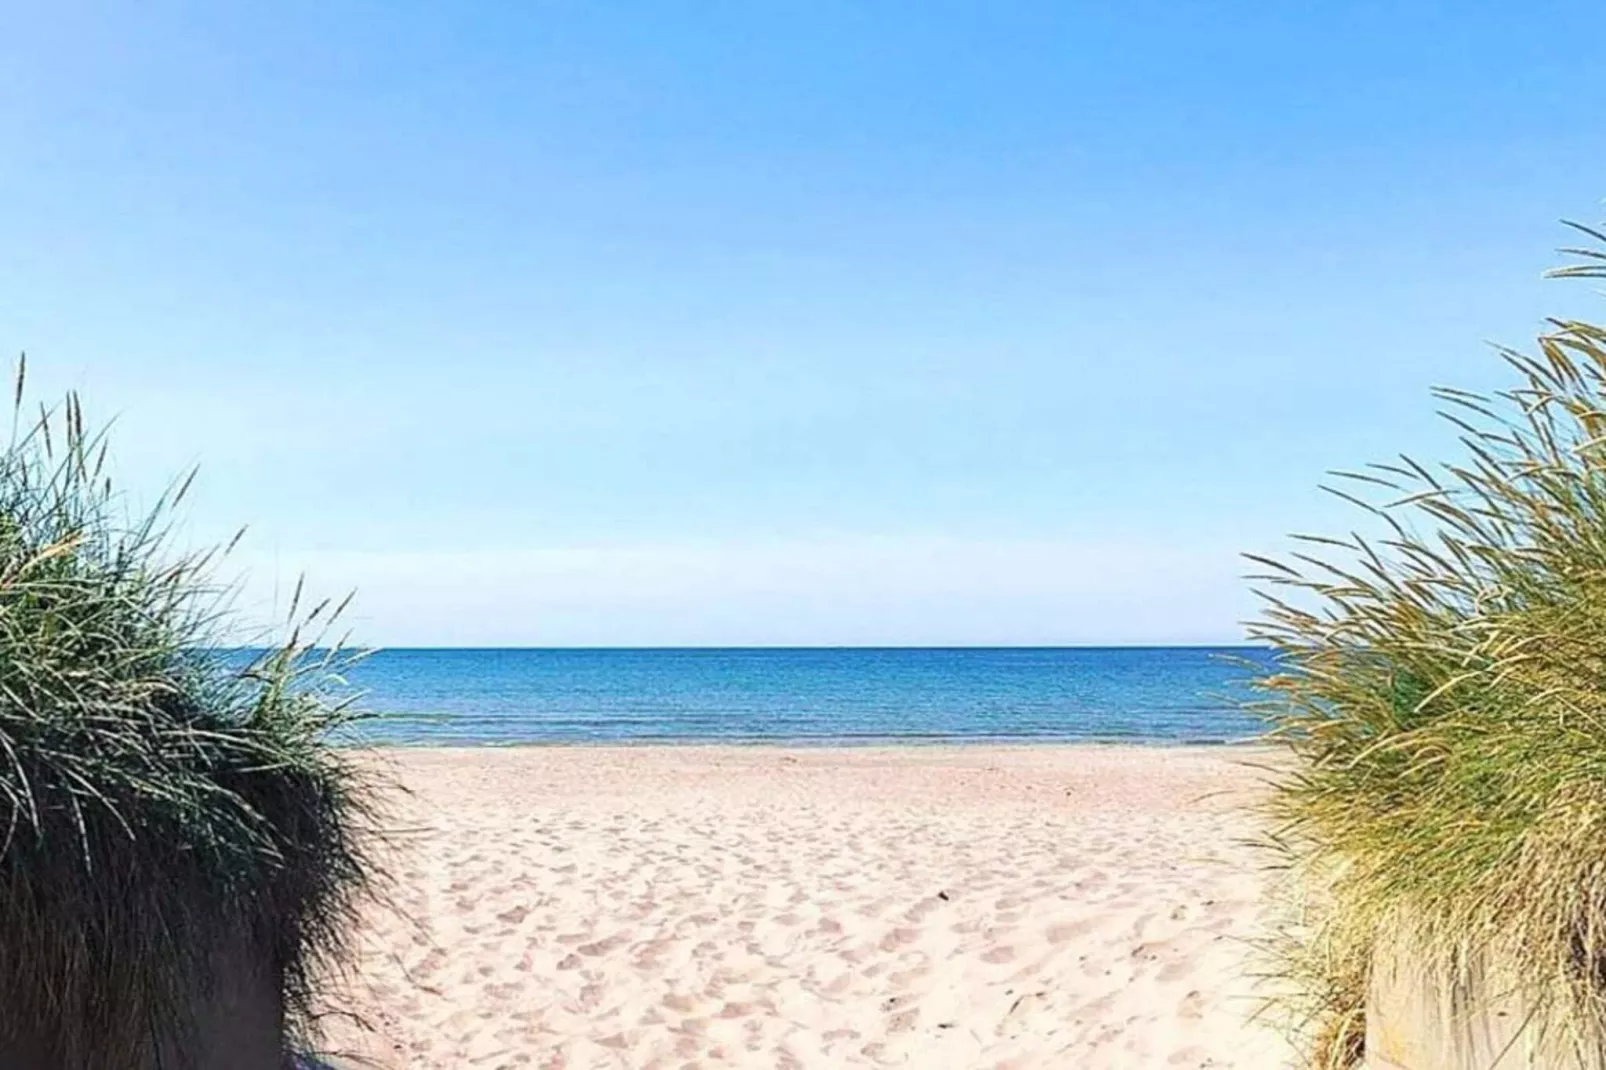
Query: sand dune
[(660, 907)]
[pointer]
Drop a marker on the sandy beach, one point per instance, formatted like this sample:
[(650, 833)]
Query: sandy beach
[(932, 907)]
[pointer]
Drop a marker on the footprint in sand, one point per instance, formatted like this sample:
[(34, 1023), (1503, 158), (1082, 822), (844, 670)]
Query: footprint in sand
[(1059, 934), (904, 1021), (1174, 971), (602, 947), (900, 937), (905, 978)]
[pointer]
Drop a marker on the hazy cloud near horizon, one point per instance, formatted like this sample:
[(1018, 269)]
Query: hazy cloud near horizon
[(881, 591)]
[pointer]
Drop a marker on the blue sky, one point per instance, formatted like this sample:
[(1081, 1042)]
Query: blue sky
[(657, 323)]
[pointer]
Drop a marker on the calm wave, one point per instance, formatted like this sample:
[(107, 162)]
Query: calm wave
[(1147, 694)]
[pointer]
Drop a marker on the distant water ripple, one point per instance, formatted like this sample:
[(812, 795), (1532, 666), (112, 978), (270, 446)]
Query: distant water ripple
[(1149, 694)]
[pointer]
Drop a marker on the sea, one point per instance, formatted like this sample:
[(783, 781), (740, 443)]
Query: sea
[(1160, 695)]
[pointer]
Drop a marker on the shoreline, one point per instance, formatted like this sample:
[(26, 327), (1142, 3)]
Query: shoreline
[(821, 743)]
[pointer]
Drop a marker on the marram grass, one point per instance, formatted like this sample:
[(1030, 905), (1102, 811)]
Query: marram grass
[(153, 795), (1442, 691)]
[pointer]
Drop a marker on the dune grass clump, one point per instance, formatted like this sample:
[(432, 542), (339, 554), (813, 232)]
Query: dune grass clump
[(1442, 691), (156, 795)]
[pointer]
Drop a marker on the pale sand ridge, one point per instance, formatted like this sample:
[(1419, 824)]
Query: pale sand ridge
[(932, 907)]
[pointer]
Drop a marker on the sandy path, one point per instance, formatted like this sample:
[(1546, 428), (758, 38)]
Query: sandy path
[(937, 907)]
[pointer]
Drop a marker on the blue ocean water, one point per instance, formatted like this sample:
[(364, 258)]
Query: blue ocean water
[(457, 696)]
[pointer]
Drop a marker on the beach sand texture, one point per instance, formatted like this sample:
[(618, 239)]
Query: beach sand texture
[(934, 907)]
